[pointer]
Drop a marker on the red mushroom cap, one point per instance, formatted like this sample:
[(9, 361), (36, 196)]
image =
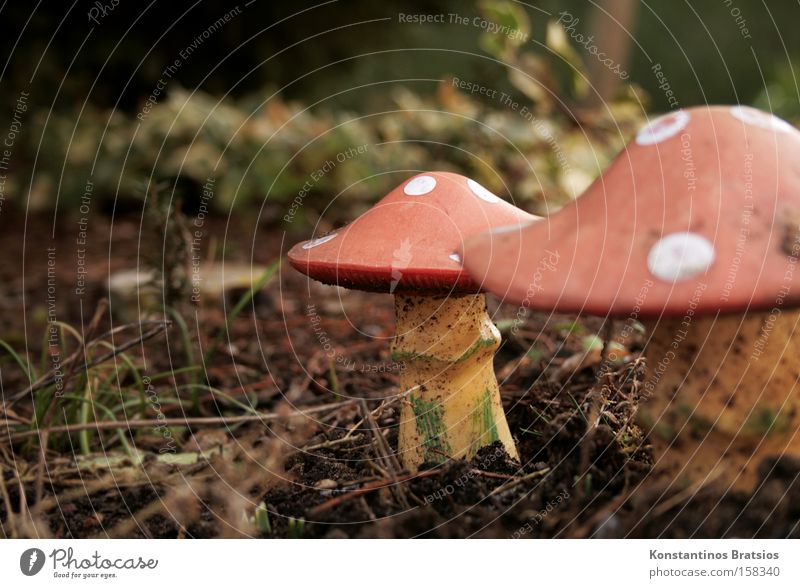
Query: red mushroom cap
[(409, 242), (701, 211)]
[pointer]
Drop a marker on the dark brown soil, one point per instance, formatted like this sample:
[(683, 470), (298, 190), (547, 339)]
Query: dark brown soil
[(323, 471)]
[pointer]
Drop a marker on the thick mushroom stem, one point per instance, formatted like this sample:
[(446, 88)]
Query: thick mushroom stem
[(721, 396), (453, 408)]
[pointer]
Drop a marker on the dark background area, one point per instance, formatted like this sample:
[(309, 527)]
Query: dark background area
[(235, 103), (332, 47)]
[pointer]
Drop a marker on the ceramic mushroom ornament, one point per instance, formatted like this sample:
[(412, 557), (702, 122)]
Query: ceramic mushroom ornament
[(407, 245), (694, 231)]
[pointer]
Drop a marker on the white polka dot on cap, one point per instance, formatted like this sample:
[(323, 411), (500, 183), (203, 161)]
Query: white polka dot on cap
[(663, 128), (759, 118), (680, 256), (482, 192), (315, 242), (420, 186)]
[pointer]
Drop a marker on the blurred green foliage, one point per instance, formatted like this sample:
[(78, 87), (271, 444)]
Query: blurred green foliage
[(699, 44), (275, 153), (271, 132)]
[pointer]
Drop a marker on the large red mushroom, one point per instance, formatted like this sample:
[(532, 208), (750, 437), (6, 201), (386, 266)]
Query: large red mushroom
[(408, 245), (693, 230)]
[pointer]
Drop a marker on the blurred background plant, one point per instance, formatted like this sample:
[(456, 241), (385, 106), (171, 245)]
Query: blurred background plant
[(290, 94)]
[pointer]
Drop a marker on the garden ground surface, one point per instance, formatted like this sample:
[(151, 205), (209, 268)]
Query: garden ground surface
[(288, 429)]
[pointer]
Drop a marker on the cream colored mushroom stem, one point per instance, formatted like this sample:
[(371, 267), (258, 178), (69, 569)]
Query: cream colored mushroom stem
[(453, 406), (721, 396)]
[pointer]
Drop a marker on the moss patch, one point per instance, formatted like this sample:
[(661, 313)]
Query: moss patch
[(764, 421)]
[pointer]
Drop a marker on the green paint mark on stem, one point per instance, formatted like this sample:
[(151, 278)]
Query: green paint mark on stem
[(477, 346), (399, 355), (411, 356), (484, 417), (430, 425)]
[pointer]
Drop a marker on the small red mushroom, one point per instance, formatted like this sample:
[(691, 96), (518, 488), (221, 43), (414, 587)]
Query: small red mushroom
[(408, 245), (694, 229)]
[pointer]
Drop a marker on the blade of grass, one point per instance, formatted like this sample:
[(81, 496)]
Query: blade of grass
[(49, 378), (333, 378), (134, 369), (578, 406), (185, 421), (185, 336), (26, 367), (216, 392), (539, 416), (175, 372), (109, 413), (262, 519), (129, 404), (83, 436)]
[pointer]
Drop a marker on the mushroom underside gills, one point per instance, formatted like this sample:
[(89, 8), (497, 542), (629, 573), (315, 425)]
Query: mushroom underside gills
[(452, 408), (721, 396)]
